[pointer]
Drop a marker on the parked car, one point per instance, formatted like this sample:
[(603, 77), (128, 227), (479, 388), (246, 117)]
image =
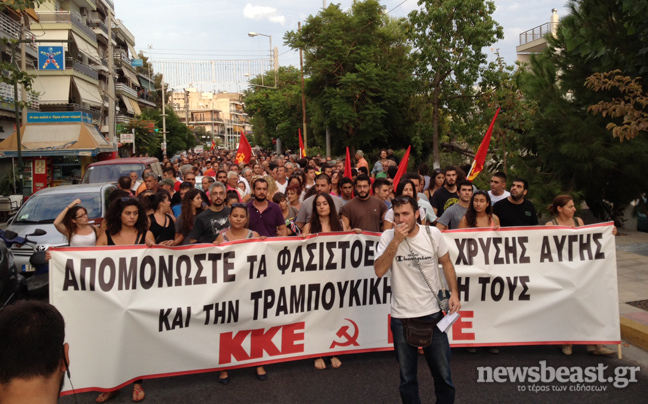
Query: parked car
[(43, 207), (111, 170)]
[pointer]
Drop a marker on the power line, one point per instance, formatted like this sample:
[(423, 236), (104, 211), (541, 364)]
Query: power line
[(403, 2)]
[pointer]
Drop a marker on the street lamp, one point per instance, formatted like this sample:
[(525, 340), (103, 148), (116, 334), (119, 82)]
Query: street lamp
[(272, 55)]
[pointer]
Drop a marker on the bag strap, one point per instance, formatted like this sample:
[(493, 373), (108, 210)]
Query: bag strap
[(440, 274), (418, 266)]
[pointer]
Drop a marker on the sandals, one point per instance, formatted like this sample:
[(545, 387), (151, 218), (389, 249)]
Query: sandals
[(105, 396), (138, 393)]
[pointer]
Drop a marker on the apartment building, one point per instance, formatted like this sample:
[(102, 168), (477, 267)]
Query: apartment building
[(534, 40)]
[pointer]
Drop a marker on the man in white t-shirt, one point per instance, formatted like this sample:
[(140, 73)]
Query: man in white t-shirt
[(498, 188), (399, 250)]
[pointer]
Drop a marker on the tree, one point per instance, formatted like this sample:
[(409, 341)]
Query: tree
[(631, 104), (568, 150), (156, 78), (448, 37), (360, 75), (275, 112), (178, 138)]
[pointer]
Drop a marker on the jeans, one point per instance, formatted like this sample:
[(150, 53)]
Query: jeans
[(437, 356)]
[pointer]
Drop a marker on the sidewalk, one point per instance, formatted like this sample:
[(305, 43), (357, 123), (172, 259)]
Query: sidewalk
[(632, 274)]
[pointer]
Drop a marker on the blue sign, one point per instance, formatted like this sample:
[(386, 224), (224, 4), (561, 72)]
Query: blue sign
[(58, 117), (137, 62), (51, 57)]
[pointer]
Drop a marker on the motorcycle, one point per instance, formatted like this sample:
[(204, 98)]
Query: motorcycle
[(31, 281)]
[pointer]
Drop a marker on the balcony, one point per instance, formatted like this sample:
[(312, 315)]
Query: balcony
[(536, 33), (125, 89), (95, 113), (65, 17), (127, 34), (85, 69), (123, 118), (7, 96), (12, 29), (121, 56), (109, 3)]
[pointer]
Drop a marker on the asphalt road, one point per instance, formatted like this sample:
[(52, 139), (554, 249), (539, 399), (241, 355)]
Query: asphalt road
[(373, 378)]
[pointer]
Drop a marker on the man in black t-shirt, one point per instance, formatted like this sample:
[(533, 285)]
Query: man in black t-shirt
[(447, 196), (515, 210), (210, 222)]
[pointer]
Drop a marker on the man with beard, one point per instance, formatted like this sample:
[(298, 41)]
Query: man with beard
[(35, 373), (447, 196), (210, 222), (265, 217), (363, 212), (322, 186), (515, 210), (410, 262)]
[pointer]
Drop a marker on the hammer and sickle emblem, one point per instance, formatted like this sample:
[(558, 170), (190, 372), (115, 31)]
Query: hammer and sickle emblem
[(349, 339), (240, 157)]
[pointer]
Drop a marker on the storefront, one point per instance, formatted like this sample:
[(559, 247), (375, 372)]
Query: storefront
[(56, 148)]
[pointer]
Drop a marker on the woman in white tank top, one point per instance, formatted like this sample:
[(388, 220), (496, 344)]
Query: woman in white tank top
[(73, 223)]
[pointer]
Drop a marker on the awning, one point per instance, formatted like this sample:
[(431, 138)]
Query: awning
[(136, 108), (56, 139), (128, 104), (132, 76), (52, 89), (132, 51), (86, 48), (89, 92), (32, 13), (54, 35), (145, 83)]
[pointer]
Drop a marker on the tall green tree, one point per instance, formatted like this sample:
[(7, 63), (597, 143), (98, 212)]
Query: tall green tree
[(448, 37), (275, 109), (179, 136), (360, 75), (568, 150)]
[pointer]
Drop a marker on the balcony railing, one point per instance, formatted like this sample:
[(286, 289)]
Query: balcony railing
[(12, 28), (125, 89), (122, 56), (65, 17), (536, 33), (7, 95), (93, 112), (85, 69)]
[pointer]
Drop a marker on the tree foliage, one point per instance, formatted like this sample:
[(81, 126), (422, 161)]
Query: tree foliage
[(631, 104), (275, 112), (178, 138), (360, 75), (568, 150), (448, 37)]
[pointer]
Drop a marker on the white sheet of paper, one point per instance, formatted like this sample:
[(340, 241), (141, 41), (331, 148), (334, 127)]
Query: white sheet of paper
[(447, 321)]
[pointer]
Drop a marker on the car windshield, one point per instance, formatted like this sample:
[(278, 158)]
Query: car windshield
[(110, 172), (45, 208)]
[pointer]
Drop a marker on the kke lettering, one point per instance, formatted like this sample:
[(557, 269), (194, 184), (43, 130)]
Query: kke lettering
[(261, 340)]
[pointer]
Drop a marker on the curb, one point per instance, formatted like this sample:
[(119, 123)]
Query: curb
[(634, 332)]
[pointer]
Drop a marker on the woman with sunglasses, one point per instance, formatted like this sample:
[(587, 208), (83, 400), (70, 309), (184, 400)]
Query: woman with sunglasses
[(323, 220), (73, 223), (126, 224), (238, 219)]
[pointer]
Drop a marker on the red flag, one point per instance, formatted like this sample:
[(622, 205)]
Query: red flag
[(244, 152), (480, 157), (302, 151), (402, 168), (213, 145), (347, 165)]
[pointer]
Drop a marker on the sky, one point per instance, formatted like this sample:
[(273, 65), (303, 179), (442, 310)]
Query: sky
[(218, 30)]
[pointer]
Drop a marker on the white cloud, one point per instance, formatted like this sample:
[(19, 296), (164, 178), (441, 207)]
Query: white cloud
[(261, 12)]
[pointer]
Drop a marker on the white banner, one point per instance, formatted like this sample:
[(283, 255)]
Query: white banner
[(134, 312)]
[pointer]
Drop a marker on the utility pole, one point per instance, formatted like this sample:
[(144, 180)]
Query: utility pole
[(111, 83), (301, 67), (164, 115), (23, 63)]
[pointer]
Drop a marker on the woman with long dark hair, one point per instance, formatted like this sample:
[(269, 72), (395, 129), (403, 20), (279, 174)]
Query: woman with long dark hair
[(437, 180), (480, 213), (162, 224), (126, 224), (192, 206), (407, 188), (324, 219), (72, 222), (564, 210)]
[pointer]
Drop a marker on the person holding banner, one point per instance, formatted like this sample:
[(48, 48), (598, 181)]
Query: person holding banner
[(563, 209), (126, 224), (238, 230), (411, 251)]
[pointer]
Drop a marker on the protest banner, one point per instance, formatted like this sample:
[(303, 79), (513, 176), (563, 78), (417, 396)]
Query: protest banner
[(135, 312)]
